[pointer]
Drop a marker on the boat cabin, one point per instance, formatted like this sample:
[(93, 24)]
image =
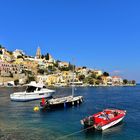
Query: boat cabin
[(33, 86), (32, 89)]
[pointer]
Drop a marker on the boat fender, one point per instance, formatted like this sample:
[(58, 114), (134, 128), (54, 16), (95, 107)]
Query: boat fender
[(36, 108), (81, 100), (78, 102)]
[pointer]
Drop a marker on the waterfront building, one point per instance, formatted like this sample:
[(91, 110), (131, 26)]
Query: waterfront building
[(109, 80), (82, 71), (52, 79), (51, 59), (68, 76), (98, 72), (5, 55), (30, 65), (2, 53), (49, 64), (106, 80), (63, 64), (18, 53), (18, 61), (117, 80), (42, 65), (8, 69), (42, 78)]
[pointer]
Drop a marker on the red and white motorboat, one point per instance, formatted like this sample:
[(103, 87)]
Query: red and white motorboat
[(105, 119)]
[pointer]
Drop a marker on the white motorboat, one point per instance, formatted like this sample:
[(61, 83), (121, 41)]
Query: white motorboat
[(33, 91)]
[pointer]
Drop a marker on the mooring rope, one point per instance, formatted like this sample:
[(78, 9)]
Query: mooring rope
[(65, 136)]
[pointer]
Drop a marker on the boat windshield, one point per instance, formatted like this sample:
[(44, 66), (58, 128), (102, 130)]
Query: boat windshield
[(30, 89)]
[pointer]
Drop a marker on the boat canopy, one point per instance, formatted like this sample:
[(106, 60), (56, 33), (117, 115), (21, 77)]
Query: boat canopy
[(34, 84)]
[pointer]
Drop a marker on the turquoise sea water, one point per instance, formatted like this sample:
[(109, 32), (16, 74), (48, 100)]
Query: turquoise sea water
[(18, 121)]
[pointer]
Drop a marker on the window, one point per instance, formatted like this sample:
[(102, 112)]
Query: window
[(39, 89), (30, 89)]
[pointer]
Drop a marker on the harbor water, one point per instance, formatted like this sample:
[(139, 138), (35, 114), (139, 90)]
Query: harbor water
[(18, 121)]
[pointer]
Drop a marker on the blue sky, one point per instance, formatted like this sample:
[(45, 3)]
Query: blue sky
[(101, 34)]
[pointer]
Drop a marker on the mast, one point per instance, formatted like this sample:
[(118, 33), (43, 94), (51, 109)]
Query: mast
[(73, 82)]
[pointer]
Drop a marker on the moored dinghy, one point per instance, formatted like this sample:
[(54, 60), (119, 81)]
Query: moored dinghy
[(105, 119)]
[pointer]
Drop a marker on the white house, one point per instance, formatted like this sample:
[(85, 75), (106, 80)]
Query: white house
[(98, 72), (63, 64), (42, 78), (117, 80), (17, 53)]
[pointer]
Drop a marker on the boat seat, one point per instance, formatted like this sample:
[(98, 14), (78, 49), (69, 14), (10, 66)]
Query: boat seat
[(110, 116)]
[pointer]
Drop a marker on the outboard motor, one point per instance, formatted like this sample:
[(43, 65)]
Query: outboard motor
[(89, 121)]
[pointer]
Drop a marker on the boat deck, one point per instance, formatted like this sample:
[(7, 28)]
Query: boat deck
[(62, 102)]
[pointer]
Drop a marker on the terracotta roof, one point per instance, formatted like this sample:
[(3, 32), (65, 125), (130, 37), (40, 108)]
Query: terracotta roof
[(116, 77)]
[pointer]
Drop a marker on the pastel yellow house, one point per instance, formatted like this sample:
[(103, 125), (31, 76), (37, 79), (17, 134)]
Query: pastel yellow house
[(18, 61), (98, 72), (107, 80), (51, 79)]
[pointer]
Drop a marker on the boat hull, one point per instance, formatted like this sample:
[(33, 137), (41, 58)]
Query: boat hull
[(105, 119), (70, 103), (25, 97), (110, 124)]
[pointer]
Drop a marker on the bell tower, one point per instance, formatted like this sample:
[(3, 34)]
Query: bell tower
[(38, 53)]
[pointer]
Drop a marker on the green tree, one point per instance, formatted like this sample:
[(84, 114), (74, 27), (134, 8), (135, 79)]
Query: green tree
[(91, 81), (81, 77), (97, 82), (20, 56), (99, 78), (1, 46), (42, 56), (0, 51), (16, 82), (47, 56), (125, 81), (93, 75), (64, 69), (56, 63), (10, 52), (133, 82), (30, 78), (41, 71), (106, 74), (84, 67), (71, 67)]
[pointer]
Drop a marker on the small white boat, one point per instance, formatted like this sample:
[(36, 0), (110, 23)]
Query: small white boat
[(34, 91)]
